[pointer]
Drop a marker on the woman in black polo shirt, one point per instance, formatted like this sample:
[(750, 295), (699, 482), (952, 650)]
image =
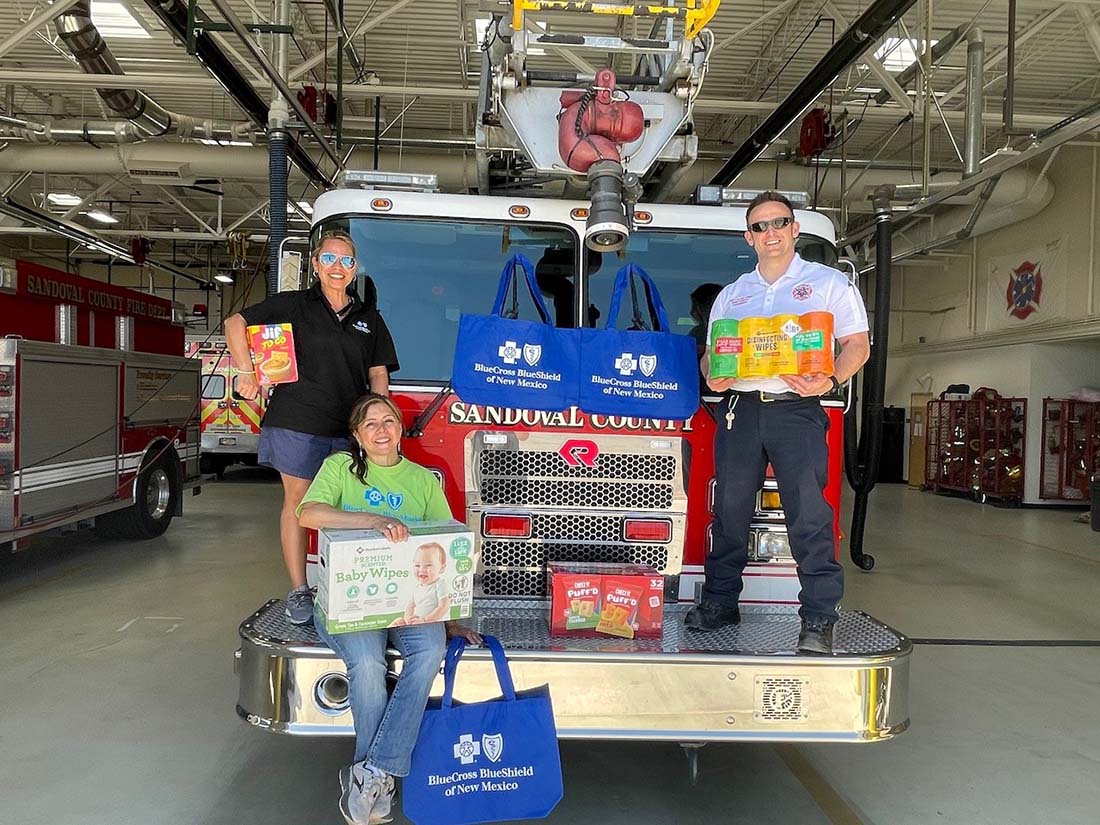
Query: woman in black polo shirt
[(344, 350)]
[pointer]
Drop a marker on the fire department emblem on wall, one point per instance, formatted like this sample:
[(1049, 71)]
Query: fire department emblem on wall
[(1025, 288)]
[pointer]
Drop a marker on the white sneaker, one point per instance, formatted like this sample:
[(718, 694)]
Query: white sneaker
[(360, 787), (380, 813)]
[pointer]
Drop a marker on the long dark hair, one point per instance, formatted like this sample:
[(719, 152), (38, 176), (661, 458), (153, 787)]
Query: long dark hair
[(359, 463)]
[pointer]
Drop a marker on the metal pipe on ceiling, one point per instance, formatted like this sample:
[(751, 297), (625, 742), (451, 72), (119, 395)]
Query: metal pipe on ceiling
[(145, 117), (975, 103), (173, 14), (868, 27), (242, 33)]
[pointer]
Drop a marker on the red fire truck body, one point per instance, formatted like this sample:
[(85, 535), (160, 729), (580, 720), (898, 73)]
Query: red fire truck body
[(570, 487), (98, 410)]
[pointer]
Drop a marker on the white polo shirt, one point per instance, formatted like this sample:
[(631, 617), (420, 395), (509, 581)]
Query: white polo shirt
[(805, 287)]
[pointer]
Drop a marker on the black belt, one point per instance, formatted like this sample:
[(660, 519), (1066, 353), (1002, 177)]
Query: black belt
[(768, 397)]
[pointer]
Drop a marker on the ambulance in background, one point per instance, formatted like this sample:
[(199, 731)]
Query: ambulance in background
[(230, 424)]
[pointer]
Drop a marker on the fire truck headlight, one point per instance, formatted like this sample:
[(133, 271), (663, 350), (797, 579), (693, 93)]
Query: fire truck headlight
[(771, 544)]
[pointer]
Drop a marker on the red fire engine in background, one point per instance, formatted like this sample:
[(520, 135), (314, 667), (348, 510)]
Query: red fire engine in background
[(98, 409)]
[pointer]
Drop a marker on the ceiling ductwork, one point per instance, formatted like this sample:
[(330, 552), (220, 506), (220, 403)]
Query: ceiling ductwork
[(145, 118)]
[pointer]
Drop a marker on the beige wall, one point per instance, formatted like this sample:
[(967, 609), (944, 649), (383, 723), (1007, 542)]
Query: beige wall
[(961, 279), (1048, 359)]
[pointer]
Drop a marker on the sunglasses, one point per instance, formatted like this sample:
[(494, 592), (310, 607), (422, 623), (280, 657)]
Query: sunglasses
[(775, 223), (329, 258)]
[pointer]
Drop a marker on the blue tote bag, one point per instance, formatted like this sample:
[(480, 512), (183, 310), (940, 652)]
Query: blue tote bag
[(635, 372), (484, 761), (506, 362)]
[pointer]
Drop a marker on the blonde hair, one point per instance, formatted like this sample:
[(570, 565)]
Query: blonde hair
[(333, 235)]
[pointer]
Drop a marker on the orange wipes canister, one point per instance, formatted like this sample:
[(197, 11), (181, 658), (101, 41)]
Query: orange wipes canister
[(813, 346)]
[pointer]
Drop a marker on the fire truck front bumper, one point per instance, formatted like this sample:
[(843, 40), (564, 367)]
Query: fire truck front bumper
[(745, 683)]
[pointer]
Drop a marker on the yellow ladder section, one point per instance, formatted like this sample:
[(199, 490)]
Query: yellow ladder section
[(695, 13)]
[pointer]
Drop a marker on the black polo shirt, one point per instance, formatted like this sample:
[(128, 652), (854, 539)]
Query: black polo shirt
[(333, 353)]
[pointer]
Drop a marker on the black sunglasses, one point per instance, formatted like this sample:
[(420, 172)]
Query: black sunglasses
[(775, 223)]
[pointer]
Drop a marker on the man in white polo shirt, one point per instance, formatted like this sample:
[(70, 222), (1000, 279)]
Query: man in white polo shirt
[(779, 420)]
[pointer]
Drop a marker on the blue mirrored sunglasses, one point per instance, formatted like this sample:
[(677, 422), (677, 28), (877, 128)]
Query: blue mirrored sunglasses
[(329, 258), (774, 223)]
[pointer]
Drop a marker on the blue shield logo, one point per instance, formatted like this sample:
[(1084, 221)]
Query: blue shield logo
[(395, 500)]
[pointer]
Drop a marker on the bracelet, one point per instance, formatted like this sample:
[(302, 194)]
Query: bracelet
[(835, 382), (238, 371)]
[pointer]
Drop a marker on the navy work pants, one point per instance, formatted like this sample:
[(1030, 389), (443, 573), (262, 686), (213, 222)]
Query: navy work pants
[(791, 435)]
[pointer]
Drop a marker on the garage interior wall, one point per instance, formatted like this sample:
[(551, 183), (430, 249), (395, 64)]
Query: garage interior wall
[(946, 335)]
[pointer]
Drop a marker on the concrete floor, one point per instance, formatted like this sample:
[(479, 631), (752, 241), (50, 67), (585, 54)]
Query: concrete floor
[(118, 691)]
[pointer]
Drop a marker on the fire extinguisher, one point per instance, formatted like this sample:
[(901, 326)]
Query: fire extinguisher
[(139, 249)]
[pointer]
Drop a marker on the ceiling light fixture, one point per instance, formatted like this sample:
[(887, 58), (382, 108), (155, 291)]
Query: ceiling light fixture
[(63, 199), (100, 216), (224, 278), (213, 142)]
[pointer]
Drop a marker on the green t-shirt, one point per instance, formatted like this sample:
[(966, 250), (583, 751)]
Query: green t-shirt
[(405, 491)]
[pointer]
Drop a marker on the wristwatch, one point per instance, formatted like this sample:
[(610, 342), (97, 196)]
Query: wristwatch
[(835, 383)]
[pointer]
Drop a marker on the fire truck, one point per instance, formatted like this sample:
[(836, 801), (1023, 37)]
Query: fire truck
[(538, 487), (541, 487), (229, 423), (98, 409)]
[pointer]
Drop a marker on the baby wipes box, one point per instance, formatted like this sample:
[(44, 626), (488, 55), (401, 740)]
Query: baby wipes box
[(366, 582)]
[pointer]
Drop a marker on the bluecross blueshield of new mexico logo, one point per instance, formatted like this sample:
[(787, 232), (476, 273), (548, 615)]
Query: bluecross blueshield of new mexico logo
[(1025, 288)]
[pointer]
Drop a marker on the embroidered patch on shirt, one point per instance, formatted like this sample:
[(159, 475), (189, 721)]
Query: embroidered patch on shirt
[(802, 292), (740, 299), (361, 326)]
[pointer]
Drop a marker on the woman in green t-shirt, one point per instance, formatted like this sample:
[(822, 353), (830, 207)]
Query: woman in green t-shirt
[(372, 486)]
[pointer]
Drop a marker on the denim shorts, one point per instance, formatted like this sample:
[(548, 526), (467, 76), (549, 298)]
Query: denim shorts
[(297, 454)]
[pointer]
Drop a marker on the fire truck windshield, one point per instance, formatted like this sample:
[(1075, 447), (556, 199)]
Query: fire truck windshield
[(429, 272), (679, 263)]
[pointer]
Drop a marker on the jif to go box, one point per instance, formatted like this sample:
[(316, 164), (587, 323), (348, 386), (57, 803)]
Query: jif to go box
[(367, 582)]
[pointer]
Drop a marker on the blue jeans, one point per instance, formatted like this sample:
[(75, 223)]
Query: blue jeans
[(386, 726), (791, 435)]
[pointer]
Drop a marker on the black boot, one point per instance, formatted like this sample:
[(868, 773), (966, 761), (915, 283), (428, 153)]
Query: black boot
[(708, 615), (816, 635)]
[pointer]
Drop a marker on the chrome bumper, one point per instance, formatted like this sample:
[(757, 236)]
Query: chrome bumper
[(744, 683)]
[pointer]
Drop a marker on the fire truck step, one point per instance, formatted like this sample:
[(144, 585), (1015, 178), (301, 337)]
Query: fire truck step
[(522, 625)]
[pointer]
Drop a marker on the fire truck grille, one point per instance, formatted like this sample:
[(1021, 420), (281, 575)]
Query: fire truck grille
[(779, 699), (530, 492), (576, 527), (525, 554), (616, 466)]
